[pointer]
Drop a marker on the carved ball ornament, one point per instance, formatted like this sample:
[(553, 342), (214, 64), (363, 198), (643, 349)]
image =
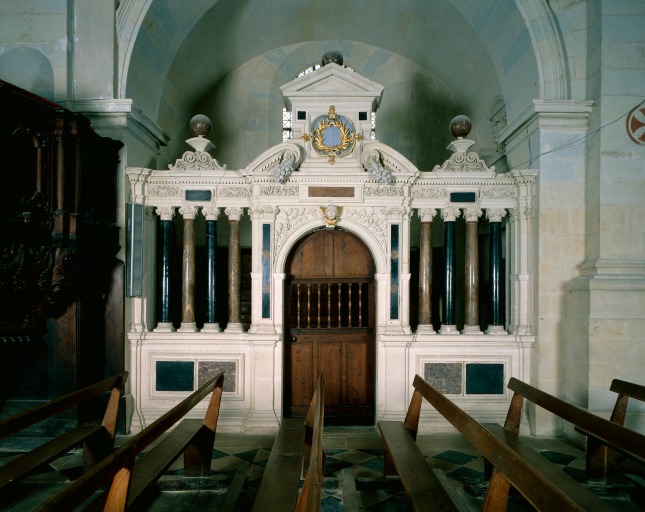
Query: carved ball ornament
[(460, 126), (201, 125)]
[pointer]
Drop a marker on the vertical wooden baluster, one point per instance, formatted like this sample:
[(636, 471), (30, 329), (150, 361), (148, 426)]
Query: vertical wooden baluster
[(319, 291), (298, 294), (308, 305), (328, 305), (349, 305), (339, 305), (360, 305)]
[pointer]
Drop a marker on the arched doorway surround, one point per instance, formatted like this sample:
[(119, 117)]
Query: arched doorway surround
[(329, 325)]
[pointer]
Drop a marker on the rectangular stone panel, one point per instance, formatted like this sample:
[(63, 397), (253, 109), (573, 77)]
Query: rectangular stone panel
[(485, 379), (206, 370), (445, 377), (175, 376), (331, 191)]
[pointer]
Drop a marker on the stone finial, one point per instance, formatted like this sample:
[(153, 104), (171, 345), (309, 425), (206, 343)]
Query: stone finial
[(460, 127), (201, 126), (332, 56)]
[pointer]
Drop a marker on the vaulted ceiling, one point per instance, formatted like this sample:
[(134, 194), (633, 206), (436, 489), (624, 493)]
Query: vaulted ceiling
[(470, 55)]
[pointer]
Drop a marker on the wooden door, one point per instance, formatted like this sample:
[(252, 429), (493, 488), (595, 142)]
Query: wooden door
[(329, 307)]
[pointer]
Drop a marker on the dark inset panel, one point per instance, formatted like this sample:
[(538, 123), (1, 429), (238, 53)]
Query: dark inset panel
[(463, 197), (198, 195), (445, 377), (485, 379), (175, 376)]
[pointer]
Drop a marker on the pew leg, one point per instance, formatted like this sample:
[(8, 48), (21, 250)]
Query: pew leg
[(96, 448), (600, 463), (199, 453), (496, 499), (388, 463)]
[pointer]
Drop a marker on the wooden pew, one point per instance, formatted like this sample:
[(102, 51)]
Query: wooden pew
[(601, 461), (97, 439), (132, 475), (297, 448), (542, 483)]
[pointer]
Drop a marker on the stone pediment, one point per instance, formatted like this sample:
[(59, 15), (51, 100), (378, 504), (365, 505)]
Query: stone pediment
[(333, 80)]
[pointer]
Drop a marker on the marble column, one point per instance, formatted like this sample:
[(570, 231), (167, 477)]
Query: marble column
[(449, 216), (495, 216), (471, 275), (425, 271), (188, 270), (211, 213), (164, 322), (234, 271)]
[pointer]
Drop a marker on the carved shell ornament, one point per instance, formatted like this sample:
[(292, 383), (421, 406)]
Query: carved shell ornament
[(332, 135)]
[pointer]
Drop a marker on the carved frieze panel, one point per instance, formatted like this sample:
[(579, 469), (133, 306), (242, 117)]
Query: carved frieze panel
[(279, 191), (428, 193), (383, 191), (373, 219), (233, 192)]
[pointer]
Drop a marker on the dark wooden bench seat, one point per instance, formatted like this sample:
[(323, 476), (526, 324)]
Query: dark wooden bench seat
[(297, 448), (601, 460), (97, 439), (542, 483), (132, 473)]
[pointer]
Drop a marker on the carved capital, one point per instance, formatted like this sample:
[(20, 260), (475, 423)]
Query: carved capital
[(472, 214), (450, 214), (188, 212), (495, 214), (426, 214), (165, 212), (211, 212), (234, 213)]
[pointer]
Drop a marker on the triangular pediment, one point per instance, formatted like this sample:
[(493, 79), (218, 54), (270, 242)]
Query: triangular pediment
[(332, 80)]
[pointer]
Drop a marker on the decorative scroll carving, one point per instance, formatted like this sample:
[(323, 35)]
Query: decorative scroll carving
[(373, 219), (290, 218), (276, 190), (371, 160), (464, 162), (196, 160)]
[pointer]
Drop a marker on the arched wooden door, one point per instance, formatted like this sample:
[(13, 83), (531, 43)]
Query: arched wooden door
[(330, 316)]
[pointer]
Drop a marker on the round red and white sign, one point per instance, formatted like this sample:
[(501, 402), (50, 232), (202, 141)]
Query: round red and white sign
[(636, 124)]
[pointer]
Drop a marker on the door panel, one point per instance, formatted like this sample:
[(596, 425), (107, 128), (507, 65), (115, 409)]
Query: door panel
[(329, 310)]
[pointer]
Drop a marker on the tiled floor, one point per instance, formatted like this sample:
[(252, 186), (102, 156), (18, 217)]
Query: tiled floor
[(358, 449)]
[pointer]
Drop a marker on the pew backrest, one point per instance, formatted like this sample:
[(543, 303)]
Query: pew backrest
[(119, 465), (543, 484), (618, 437)]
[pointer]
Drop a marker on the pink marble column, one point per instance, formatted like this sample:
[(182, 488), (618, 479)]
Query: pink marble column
[(234, 271), (471, 275), (188, 270), (425, 271)]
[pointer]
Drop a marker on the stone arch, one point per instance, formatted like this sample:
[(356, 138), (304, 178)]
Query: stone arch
[(547, 45), (376, 250)]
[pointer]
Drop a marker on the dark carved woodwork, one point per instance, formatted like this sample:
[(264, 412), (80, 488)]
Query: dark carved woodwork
[(58, 251)]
